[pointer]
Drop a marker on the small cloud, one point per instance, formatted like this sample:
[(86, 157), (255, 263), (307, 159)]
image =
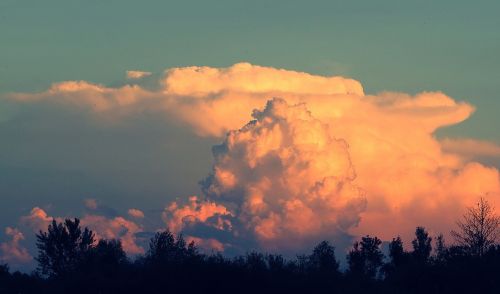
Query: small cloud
[(136, 74), (90, 203), (38, 219), (133, 212)]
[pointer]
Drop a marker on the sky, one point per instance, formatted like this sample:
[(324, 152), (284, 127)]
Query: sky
[(110, 111)]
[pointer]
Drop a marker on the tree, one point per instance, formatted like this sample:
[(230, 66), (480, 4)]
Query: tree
[(164, 247), (441, 249), (396, 252), (4, 270), (322, 259), (109, 253), (478, 230), (365, 258), (63, 247), (422, 245), (276, 262), (161, 246), (255, 262)]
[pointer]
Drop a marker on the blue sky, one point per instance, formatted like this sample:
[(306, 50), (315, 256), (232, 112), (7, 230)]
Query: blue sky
[(56, 158)]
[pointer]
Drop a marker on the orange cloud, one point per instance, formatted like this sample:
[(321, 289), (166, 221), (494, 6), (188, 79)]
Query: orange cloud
[(409, 177), (133, 212), (407, 174), (91, 97), (115, 228), (136, 74), (247, 78), (227, 97), (176, 216), (289, 178), (208, 245), (12, 251), (38, 219)]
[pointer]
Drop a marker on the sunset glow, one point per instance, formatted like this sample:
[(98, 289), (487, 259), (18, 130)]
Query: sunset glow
[(245, 128)]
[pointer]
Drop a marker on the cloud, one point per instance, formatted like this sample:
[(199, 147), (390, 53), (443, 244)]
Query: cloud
[(200, 81), (115, 228), (208, 245), (470, 148), (227, 96), (407, 174), (136, 74), (11, 250), (90, 203), (90, 97), (389, 138), (133, 212), (38, 219), (177, 216)]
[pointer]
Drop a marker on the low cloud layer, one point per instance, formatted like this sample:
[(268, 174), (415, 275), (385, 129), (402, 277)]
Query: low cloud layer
[(103, 227), (12, 251), (324, 160)]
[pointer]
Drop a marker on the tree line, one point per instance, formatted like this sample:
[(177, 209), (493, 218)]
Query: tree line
[(70, 260)]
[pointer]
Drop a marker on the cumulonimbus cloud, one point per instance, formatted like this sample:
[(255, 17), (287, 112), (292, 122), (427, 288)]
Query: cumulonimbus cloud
[(287, 177), (406, 173)]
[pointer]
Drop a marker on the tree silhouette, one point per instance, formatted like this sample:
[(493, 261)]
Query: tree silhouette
[(162, 246), (422, 245), (4, 269), (441, 249), (276, 262), (322, 260), (398, 256), (478, 229), (255, 262), (165, 248), (72, 263), (63, 247), (109, 253), (365, 258)]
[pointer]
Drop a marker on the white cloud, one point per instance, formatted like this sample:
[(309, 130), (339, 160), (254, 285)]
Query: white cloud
[(136, 74)]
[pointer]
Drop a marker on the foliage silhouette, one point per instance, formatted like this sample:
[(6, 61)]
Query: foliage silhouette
[(478, 229), (63, 247), (71, 262), (365, 258), (422, 245)]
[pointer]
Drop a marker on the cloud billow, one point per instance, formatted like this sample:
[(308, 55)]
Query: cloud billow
[(287, 177)]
